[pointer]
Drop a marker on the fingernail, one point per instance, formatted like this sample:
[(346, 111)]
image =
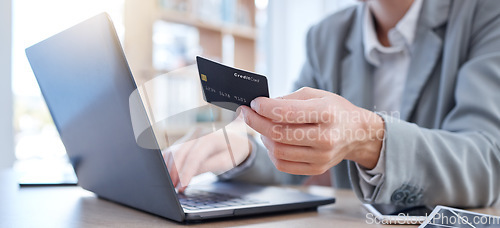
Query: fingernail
[(254, 106)]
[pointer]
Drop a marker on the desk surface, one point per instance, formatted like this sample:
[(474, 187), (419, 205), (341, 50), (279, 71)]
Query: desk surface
[(75, 207)]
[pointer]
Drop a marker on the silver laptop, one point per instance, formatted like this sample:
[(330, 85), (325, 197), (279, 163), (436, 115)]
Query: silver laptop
[(86, 83)]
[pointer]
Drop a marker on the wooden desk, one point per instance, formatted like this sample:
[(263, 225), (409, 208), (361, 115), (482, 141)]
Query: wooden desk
[(75, 207)]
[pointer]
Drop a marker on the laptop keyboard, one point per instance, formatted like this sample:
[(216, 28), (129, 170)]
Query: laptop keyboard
[(197, 200)]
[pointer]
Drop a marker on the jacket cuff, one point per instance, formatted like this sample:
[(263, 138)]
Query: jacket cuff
[(236, 171), (393, 189), (367, 183), (370, 179)]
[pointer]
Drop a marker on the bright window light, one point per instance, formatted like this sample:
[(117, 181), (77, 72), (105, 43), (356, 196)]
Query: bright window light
[(34, 20)]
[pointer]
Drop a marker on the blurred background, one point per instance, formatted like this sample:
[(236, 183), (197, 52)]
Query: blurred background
[(158, 36)]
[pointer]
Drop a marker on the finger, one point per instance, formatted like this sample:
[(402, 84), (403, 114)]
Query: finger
[(181, 189), (192, 134), (172, 169), (304, 93), (239, 115), (292, 153), (194, 159), (297, 168), (167, 158), (313, 135), (181, 151), (291, 110), (219, 163), (191, 166), (288, 134)]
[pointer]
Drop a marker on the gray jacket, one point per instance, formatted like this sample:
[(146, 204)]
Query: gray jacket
[(445, 148)]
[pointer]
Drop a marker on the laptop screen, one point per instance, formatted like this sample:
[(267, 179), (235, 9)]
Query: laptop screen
[(86, 83)]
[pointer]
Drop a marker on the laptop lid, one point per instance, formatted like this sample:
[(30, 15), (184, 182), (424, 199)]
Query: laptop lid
[(86, 82)]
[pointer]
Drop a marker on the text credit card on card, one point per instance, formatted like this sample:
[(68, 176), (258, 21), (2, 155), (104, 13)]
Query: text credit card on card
[(228, 87)]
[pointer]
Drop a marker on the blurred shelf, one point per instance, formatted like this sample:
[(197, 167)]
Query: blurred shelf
[(226, 18), (242, 31)]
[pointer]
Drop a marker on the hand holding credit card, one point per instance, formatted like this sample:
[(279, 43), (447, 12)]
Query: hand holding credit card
[(228, 87)]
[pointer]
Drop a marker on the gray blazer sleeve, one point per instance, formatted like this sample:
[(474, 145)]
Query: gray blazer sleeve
[(459, 163), (308, 75)]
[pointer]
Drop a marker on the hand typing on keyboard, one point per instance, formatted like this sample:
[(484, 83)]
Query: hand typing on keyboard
[(193, 155)]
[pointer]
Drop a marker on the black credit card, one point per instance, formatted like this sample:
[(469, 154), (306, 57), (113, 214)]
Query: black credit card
[(228, 87)]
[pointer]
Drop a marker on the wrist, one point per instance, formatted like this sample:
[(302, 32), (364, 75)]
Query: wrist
[(367, 151), (249, 151)]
